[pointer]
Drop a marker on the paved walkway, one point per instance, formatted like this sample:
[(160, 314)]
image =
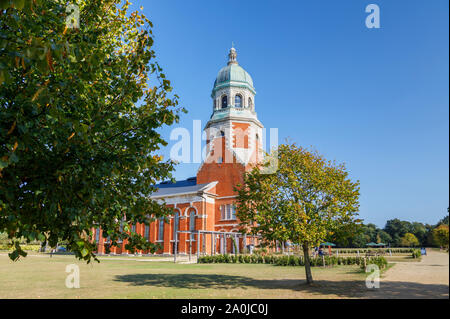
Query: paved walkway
[(426, 279)]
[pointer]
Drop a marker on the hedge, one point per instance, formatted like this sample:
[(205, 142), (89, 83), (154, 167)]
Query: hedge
[(416, 253), (292, 260), (366, 250), (24, 247)]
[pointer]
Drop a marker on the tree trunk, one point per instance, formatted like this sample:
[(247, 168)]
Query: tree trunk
[(309, 278)]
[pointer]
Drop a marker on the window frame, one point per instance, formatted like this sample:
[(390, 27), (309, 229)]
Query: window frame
[(161, 229), (238, 96), (222, 99)]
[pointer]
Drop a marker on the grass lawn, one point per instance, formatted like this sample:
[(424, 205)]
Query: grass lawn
[(39, 276)]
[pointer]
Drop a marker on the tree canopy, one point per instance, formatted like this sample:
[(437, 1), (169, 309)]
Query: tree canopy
[(409, 240), (81, 104), (305, 200)]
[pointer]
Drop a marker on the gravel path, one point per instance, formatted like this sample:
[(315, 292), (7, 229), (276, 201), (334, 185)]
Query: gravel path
[(426, 279)]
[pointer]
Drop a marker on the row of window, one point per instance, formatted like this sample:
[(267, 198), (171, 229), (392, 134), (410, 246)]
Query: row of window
[(228, 212), (160, 227), (238, 101)]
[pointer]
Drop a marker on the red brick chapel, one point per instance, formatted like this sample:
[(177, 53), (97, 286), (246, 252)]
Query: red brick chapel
[(206, 202)]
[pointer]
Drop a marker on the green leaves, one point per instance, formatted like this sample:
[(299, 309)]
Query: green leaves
[(304, 201), (17, 252), (86, 123)]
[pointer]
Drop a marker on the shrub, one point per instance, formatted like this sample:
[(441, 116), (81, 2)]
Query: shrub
[(416, 253), (24, 247), (380, 261), (292, 260)]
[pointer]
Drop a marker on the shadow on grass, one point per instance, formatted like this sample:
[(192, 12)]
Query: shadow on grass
[(345, 289)]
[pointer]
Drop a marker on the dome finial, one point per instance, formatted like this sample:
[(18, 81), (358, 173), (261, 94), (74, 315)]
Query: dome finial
[(232, 55)]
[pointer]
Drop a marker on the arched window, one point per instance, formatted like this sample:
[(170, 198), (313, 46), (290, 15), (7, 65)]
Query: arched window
[(192, 223), (224, 101), (176, 224), (250, 103), (97, 235), (222, 133), (147, 232), (238, 101), (161, 229)]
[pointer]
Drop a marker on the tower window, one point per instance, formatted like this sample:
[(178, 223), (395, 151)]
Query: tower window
[(238, 101), (222, 133), (224, 101), (250, 103)]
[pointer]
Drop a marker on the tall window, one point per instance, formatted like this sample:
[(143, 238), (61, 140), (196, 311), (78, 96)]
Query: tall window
[(222, 212), (97, 235), (250, 103), (237, 101), (192, 223), (176, 224), (224, 101), (161, 229), (147, 232), (133, 228)]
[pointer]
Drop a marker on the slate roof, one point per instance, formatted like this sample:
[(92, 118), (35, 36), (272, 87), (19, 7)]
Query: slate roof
[(188, 186)]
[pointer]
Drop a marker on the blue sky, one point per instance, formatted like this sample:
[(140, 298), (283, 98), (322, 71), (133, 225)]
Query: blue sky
[(376, 99)]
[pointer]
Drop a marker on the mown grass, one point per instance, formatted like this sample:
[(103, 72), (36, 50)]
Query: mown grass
[(39, 276)]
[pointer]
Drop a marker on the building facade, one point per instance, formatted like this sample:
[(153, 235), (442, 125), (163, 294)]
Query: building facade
[(206, 202)]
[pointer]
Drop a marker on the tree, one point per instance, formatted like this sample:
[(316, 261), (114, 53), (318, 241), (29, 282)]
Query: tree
[(384, 237), (409, 240), (304, 201), (78, 123), (441, 235), (397, 228), (420, 231)]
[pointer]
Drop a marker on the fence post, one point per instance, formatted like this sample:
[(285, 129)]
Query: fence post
[(198, 245), (175, 247)]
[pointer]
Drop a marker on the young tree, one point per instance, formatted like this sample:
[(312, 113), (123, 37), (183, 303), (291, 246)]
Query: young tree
[(409, 240), (81, 102), (441, 235), (304, 201)]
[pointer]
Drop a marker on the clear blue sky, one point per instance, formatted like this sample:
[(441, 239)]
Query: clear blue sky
[(376, 99)]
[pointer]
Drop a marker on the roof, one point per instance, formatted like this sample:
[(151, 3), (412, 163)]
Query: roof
[(184, 187), (187, 182), (233, 75)]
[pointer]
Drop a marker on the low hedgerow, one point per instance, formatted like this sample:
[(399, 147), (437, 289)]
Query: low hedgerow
[(368, 250), (381, 262), (24, 247), (293, 260)]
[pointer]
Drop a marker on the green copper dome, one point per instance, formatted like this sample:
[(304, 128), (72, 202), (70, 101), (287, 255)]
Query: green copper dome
[(233, 74)]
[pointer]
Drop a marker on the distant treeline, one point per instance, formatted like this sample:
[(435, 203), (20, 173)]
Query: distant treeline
[(396, 233)]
